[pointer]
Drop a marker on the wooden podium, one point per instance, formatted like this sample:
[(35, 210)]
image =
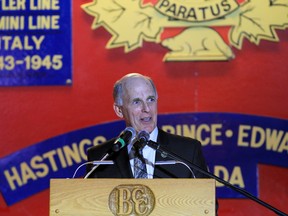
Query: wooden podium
[(141, 197)]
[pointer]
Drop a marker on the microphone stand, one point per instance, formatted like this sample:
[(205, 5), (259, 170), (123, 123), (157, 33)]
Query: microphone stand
[(173, 163), (174, 156), (96, 163)]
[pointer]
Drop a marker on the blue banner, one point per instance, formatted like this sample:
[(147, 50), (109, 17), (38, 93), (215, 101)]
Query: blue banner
[(35, 43), (233, 145)]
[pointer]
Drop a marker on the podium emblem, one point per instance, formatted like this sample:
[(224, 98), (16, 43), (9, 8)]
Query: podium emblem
[(131, 200)]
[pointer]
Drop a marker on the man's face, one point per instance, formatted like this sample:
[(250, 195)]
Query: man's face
[(139, 105)]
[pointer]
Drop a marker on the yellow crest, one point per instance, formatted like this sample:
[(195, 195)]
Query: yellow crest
[(131, 22)]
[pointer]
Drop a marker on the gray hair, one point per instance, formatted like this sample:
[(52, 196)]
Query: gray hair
[(118, 87)]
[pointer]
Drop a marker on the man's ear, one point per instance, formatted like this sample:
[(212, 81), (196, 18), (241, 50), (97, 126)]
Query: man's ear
[(118, 110)]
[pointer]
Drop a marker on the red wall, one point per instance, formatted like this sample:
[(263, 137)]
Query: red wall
[(255, 82)]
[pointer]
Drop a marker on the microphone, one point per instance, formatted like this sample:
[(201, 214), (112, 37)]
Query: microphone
[(124, 138), (143, 136), (141, 140)]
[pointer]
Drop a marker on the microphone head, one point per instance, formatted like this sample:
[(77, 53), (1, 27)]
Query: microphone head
[(131, 130), (141, 140), (124, 138), (143, 136)]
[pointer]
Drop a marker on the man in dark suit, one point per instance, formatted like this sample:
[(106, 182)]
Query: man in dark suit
[(135, 100)]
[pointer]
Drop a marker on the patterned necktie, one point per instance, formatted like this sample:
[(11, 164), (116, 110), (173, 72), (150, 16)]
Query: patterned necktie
[(140, 170)]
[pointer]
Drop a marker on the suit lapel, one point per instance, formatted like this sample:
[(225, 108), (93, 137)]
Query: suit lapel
[(163, 141), (158, 170)]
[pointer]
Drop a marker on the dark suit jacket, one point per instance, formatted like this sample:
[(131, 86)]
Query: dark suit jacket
[(188, 148)]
